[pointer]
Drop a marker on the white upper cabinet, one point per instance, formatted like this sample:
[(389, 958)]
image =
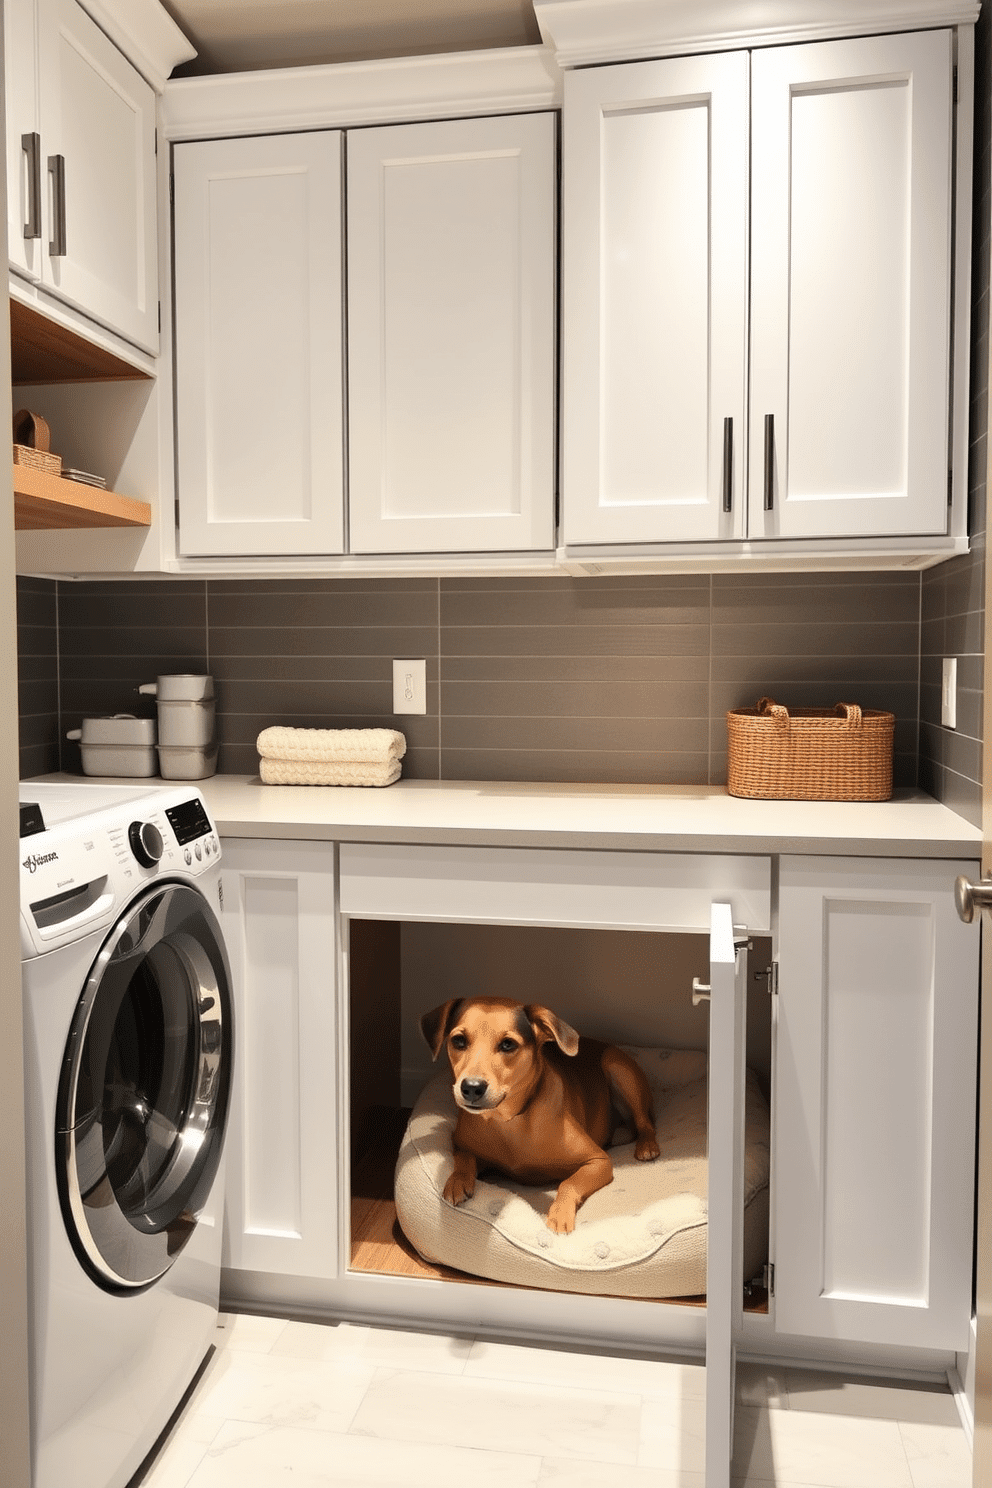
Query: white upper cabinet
[(81, 168), (451, 330), (24, 166), (849, 149), (450, 340), (258, 294), (655, 300), (850, 286)]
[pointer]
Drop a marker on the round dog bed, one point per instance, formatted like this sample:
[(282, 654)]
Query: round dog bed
[(644, 1235)]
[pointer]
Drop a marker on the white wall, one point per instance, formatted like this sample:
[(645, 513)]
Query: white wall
[(15, 1466)]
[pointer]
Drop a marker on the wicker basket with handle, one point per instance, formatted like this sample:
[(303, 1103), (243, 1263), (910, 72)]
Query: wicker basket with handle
[(810, 754), (31, 438)]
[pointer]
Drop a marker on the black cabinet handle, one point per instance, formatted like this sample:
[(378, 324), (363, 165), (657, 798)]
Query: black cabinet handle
[(728, 464), (769, 462), (31, 145), (56, 169)]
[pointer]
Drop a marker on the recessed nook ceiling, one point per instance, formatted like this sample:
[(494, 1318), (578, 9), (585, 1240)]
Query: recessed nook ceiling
[(256, 34)]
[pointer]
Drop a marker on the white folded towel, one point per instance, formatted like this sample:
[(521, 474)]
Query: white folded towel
[(318, 772), (332, 746)]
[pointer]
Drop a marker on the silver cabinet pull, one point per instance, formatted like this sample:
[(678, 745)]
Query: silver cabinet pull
[(56, 169), (969, 896), (728, 464), (31, 145), (769, 462)]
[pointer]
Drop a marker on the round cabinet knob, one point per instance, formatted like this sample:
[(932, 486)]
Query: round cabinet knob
[(969, 896), (146, 843)]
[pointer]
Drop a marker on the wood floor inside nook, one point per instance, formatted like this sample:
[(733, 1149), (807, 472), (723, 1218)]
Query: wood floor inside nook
[(378, 1244)]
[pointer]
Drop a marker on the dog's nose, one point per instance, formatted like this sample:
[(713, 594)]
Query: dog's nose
[(474, 1090)]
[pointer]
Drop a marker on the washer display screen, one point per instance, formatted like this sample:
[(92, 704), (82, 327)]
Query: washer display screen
[(189, 821)]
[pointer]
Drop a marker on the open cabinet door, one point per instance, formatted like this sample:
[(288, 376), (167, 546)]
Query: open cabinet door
[(725, 1253)]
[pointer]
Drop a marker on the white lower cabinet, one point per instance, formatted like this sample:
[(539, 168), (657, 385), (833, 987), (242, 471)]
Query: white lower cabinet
[(874, 1133), (281, 1213), (872, 1050)]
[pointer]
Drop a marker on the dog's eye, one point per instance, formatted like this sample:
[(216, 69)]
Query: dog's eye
[(507, 1046), (459, 1041)]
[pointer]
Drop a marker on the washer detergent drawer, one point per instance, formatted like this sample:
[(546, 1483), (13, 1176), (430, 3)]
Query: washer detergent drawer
[(525, 886)]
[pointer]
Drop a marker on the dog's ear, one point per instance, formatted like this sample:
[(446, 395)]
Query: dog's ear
[(549, 1028), (435, 1024)]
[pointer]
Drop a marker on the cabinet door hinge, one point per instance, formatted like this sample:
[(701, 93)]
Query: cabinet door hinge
[(771, 972), (768, 1278), (950, 487)]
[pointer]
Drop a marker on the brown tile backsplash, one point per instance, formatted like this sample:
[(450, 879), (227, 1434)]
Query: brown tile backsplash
[(559, 679), (38, 675), (953, 623)]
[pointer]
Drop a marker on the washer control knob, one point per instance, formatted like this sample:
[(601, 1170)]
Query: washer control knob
[(146, 843)]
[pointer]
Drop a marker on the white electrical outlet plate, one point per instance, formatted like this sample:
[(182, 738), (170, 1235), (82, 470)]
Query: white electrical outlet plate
[(410, 686), (949, 693)]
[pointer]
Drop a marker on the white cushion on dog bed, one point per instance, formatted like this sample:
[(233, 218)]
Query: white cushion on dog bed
[(643, 1235)]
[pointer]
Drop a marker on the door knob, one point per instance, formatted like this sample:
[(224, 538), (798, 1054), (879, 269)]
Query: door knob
[(971, 896)]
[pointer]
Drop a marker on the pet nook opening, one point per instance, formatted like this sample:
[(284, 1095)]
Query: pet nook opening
[(632, 988)]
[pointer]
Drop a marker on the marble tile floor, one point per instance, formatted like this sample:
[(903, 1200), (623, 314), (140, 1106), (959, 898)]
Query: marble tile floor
[(286, 1404)]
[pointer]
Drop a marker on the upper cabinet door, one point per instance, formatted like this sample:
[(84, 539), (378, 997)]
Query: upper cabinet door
[(451, 335), (98, 167), (655, 295), (850, 287), (24, 228), (258, 301), (81, 213)]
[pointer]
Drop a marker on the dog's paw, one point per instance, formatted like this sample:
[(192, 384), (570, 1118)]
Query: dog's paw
[(647, 1149), (458, 1189), (561, 1217)]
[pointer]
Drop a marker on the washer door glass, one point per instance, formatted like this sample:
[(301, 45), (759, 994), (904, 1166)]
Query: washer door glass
[(144, 1089)]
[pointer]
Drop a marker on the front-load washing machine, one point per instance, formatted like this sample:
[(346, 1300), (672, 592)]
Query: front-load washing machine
[(128, 1060)]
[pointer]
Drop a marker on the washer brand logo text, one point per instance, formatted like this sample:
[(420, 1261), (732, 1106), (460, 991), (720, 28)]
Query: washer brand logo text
[(38, 860)]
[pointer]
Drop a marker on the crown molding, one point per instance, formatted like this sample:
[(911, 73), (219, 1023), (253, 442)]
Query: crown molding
[(450, 85), (581, 32), (145, 33)]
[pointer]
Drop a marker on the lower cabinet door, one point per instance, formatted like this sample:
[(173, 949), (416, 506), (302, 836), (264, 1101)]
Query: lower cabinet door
[(725, 1197), (875, 1102), (282, 1173)]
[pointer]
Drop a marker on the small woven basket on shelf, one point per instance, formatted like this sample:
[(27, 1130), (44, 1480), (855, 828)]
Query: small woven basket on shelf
[(810, 754), (31, 439)]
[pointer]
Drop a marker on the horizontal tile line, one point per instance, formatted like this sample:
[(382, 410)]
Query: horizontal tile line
[(545, 749), (672, 719)]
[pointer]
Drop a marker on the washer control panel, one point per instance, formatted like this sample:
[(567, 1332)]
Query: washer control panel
[(75, 876)]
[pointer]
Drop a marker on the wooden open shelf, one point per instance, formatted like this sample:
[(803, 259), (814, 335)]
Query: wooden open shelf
[(43, 502), (42, 351)]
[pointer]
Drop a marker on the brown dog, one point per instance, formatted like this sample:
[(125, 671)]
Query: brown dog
[(524, 1109)]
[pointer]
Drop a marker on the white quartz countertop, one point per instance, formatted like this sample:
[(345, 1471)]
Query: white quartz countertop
[(637, 818)]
